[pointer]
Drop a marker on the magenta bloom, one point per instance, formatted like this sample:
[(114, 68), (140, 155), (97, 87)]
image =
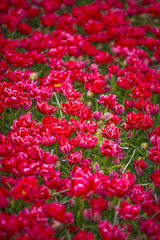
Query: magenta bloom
[(87, 141), (127, 211), (45, 108), (155, 177), (109, 148), (28, 190), (4, 201), (75, 157), (154, 155), (137, 121), (82, 234), (110, 232), (110, 131)]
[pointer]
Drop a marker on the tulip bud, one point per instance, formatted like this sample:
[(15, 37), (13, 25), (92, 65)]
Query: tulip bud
[(33, 76), (100, 46), (97, 115), (110, 206), (89, 94), (119, 109), (100, 124), (57, 166), (72, 202), (95, 167), (107, 116), (144, 146), (153, 140), (129, 134), (89, 104), (57, 225)]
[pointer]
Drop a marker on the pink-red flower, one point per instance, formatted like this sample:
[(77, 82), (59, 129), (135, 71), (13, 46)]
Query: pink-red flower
[(98, 204), (155, 177), (45, 108), (154, 155), (139, 166), (110, 131), (110, 232), (4, 201), (82, 234), (109, 148), (28, 189), (87, 141), (127, 211), (137, 121), (75, 157)]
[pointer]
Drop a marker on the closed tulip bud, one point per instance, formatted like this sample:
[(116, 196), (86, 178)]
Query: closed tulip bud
[(107, 116), (144, 146), (57, 166), (95, 167), (72, 202), (89, 104), (97, 115), (153, 140), (110, 206), (57, 225), (100, 124), (89, 94), (33, 76)]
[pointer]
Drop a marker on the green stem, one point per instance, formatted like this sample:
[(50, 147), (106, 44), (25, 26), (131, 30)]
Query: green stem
[(132, 135), (58, 105), (106, 110), (104, 163), (68, 162), (2, 122), (79, 217)]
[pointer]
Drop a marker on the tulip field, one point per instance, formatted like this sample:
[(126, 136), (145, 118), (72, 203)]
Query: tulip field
[(79, 120)]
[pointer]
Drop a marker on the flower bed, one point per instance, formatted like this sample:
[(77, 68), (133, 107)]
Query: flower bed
[(80, 119)]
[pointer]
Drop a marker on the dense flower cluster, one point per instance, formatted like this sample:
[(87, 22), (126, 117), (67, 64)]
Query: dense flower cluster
[(79, 124)]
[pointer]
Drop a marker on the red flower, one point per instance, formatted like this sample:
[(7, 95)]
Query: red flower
[(154, 155), (150, 227), (25, 189), (92, 26), (49, 19), (110, 131), (98, 204), (82, 234), (110, 232), (127, 211), (77, 108), (57, 211), (119, 187), (45, 108), (109, 148), (83, 183), (109, 100), (88, 49), (28, 189), (137, 121), (87, 141), (4, 201), (24, 28), (90, 127), (75, 157), (155, 177), (140, 92), (139, 166)]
